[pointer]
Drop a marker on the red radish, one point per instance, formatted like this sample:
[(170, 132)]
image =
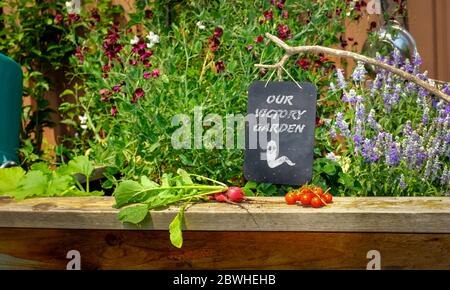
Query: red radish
[(220, 197), (211, 197), (235, 194)]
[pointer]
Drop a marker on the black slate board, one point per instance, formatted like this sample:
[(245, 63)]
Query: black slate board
[(288, 160)]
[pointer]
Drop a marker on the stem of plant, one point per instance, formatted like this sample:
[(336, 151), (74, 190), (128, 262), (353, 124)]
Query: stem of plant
[(214, 188), (291, 50)]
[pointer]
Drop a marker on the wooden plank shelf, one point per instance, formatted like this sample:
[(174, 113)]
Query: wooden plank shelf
[(346, 214), (410, 233)]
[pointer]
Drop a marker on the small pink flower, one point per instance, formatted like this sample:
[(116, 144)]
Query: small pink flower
[(156, 73), (104, 99), (285, 14), (105, 76), (147, 75), (116, 88), (114, 111), (133, 62), (249, 47), (104, 92)]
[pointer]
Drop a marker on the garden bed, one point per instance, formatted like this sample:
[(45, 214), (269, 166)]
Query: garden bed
[(408, 232)]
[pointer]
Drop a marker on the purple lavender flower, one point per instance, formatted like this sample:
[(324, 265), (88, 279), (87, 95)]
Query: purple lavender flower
[(372, 122), (333, 133), (340, 79), (342, 125), (397, 58), (359, 73)]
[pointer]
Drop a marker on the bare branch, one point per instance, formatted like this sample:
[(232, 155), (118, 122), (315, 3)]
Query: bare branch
[(292, 50)]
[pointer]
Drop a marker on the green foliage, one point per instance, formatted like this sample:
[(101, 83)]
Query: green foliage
[(136, 141), (138, 198), (176, 229), (41, 181)]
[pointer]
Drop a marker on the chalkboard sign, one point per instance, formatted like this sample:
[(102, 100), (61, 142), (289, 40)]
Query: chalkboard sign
[(280, 132)]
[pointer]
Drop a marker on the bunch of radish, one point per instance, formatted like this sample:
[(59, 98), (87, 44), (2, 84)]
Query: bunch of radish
[(234, 194)]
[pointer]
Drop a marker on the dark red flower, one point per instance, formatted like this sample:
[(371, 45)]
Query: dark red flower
[(73, 17), (259, 39), (284, 32), (138, 93), (281, 4), (58, 18), (262, 72), (79, 54), (214, 43), (220, 66), (106, 68), (133, 62), (319, 122), (146, 63), (268, 14), (95, 15), (218, 32), (285, 14), (116, 88), (111, 47), (104, 99), (303, 63), (148, 14), (146, 54)]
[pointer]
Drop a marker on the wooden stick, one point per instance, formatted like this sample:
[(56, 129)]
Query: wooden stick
[(293, 50)]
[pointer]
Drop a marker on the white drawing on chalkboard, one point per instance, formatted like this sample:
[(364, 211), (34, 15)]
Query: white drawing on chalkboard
[(272, 156)]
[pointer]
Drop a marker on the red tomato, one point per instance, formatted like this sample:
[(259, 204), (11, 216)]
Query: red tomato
[(305, 198), (317, 190), (328, 197), (290, 198), (297, 195), (305, 190), (316, 202)]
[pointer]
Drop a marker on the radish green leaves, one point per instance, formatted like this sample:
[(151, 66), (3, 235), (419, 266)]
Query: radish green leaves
[(136, 198)]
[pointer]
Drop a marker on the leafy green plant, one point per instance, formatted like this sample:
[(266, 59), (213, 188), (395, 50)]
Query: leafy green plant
[(136, 198), (41, 181), (202, 59)]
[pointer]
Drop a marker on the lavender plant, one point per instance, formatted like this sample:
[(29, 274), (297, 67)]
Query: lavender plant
[(395, 133)]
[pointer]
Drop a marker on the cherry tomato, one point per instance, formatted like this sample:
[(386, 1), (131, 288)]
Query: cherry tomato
[(328, 197), (316, 202), (317, 190), (297, 195), (305, 198), (290, 198), (306, 191)]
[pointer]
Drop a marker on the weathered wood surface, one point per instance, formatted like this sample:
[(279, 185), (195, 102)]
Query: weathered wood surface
[(399, 215), (123, 249)]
